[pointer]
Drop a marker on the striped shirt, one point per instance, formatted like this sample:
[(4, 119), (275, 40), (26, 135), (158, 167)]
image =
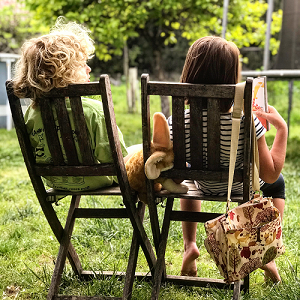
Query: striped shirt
[(217, 188)]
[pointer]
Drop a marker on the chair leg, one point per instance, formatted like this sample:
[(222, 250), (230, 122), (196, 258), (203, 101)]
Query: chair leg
[(141, 234), (246, 284), (133, 256), (74, 260), (63, 249), (236, 290), (58, 230), (154, 222), (160, 265)]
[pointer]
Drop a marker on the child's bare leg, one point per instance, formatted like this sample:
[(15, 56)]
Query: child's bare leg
[(271, 271), (189, 230), (279, 204)]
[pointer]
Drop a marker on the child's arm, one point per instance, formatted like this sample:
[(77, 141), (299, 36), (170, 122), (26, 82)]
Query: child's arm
[(271, 161)]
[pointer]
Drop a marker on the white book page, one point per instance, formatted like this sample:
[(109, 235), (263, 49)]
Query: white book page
[(260, 98)]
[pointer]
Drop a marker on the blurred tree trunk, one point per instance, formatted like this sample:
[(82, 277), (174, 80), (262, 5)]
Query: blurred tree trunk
[(126, 74), (288, 56), (132, 89), (159, 74)]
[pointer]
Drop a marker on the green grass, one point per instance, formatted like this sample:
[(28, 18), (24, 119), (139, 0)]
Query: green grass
[(28, 248)]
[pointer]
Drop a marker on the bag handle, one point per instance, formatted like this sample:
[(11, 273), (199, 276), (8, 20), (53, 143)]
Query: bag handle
[(236, 118)]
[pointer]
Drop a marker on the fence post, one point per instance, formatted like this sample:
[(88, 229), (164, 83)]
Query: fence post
[(132, 89), (291, 86)]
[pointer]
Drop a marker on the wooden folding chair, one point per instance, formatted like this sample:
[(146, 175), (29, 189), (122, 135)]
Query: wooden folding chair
[(76, 167), (213, 172)]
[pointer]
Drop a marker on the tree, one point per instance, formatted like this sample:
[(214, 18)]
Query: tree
[(158, 22), (289, 52), (251, 32), (15, 25)]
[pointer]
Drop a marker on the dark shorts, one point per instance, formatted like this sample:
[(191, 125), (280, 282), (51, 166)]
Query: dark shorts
[(274, 190)]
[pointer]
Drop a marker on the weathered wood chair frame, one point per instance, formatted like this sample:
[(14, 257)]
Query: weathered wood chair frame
[(194, 92), (56, 98)]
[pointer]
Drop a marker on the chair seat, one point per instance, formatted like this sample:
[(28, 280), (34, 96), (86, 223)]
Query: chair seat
[(54, 195), (109, 190), (196, 194)]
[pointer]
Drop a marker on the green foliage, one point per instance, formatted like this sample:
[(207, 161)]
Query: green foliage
[(130, 124), (113, 22), (247, 27), (16, 25)]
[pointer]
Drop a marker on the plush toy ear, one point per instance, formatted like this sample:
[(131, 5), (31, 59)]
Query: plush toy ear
[(151, 169), (161, 133)]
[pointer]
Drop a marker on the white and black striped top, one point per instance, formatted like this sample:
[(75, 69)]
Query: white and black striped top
[(216, 188)]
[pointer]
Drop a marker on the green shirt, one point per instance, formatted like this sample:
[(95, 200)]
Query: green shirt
[(94, 115)]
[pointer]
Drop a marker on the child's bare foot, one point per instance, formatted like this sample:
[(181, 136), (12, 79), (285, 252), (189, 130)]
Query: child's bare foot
[(271, 271), (189, 266)]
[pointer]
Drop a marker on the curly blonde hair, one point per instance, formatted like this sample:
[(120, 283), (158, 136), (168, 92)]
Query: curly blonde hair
[(52, 60)]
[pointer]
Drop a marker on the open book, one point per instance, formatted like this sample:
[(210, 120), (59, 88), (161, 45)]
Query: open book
[(260, 98)]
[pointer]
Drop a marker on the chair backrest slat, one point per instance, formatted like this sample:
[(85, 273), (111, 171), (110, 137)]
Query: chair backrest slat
[(196, 129), (113, 137), (191, 90), (247, 135), (24, 141), (51, 132), (178, 135), (66, 132), (213, 134), (145, 115), (82, 132)]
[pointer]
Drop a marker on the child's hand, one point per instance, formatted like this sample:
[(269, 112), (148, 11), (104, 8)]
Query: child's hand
[(273, 117)]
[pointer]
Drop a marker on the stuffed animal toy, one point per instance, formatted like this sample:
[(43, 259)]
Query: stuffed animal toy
[(161, 159)]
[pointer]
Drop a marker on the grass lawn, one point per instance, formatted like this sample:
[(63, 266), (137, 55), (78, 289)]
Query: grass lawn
[(28, 248)]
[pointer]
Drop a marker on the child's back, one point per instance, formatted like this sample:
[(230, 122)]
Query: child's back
[(52, 61), (213, 60)]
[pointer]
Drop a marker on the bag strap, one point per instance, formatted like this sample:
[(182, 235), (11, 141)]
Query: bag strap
[(255, 162), (236, 119)]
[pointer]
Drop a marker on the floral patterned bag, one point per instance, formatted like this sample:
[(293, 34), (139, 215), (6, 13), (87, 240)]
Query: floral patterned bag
[(250, 235), (246, 238)]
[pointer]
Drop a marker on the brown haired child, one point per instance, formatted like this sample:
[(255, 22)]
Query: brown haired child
[(213, 60)]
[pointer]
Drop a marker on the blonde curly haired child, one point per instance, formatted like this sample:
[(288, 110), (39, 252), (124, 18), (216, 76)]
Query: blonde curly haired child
[(56, 60)]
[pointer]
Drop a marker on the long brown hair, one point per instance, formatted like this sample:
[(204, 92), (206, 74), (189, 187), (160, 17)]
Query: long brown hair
[(212, 60)]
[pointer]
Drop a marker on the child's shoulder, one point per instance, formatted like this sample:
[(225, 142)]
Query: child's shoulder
[(32, 112), (91, 102), (92, 105)]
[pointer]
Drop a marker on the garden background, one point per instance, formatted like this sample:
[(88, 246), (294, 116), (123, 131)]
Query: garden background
[(28, 248), (152, 36)]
